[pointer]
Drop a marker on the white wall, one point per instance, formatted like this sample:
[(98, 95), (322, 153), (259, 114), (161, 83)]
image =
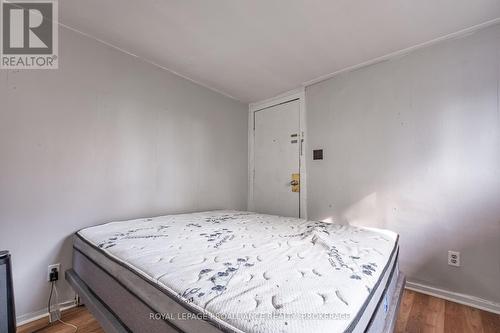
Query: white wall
[(413, 145), (106, 137)]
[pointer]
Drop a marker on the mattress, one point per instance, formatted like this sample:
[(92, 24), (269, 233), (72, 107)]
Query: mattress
[(248, 272)]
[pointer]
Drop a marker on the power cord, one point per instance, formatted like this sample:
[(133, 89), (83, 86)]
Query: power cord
[(50, 295), (70, 325), (48, 308), (53, 288), (60, 320)]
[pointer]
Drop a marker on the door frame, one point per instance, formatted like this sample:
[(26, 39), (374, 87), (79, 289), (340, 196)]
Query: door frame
[(296, 94)]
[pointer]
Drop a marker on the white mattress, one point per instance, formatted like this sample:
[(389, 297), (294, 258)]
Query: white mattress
[(255, 273)]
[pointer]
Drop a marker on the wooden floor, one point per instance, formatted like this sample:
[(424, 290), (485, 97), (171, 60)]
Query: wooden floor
[(423, 313), (419, 313), (79, 317)]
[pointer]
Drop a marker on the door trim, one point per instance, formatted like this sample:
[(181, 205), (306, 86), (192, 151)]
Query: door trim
[(297, 94)]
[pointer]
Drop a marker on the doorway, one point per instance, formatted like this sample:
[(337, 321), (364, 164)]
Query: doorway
[(277, 150)]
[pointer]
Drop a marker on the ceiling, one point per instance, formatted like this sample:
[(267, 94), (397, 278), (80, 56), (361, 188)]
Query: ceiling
[(255, 49)]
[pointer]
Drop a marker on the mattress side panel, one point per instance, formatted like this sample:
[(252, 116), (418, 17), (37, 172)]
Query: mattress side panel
[(369, 310)]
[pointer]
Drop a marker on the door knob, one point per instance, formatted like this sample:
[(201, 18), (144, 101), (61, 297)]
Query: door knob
[(294, 182)]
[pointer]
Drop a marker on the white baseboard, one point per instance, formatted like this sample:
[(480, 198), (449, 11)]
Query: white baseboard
[(29, 317), (472, 301)]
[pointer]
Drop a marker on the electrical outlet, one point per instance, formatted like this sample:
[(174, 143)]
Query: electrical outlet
[(454, 258), (50, 268)]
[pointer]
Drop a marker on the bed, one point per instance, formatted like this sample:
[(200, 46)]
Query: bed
[(234, 271)]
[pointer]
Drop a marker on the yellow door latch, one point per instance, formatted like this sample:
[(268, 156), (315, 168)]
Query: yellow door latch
[(295, 183)]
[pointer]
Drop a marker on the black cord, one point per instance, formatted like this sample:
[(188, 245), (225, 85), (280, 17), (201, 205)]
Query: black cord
[(50, 296), (48, 308)]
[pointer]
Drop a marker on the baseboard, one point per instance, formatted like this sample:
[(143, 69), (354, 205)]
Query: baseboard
[(29, 317), (472, 301)]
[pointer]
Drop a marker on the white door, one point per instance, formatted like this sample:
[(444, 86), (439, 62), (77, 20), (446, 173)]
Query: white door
[(276, 158)]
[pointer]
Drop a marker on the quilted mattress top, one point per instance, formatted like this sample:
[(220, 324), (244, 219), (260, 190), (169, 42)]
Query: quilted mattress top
[(252, 272)]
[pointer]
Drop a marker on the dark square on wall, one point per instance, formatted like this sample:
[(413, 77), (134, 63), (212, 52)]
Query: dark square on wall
[(317, 154)]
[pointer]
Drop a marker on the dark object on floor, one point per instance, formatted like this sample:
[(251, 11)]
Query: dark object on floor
[(7, 311)]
